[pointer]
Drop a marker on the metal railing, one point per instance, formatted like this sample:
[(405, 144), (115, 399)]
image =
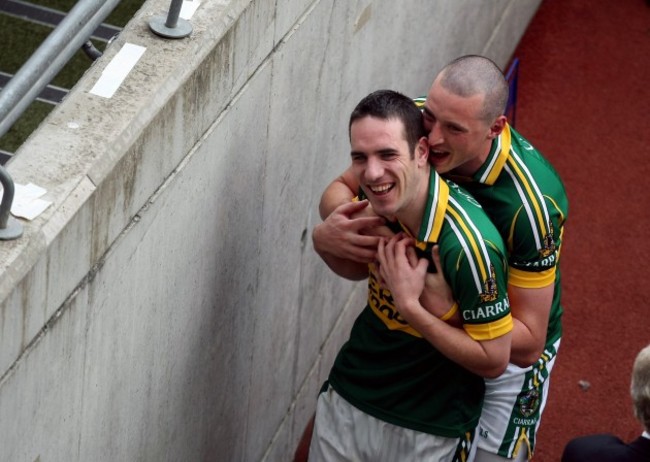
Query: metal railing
[(71, 34), (172, 26), (57, 49), (10, 228), (66, 39), (24, 87)]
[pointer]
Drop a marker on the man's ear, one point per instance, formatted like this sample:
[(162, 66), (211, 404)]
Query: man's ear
[(497, 126), (422, 151)]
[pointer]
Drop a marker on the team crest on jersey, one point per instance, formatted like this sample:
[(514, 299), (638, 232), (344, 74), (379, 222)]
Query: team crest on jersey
[(549, 243), (529, 403), (490, 291)]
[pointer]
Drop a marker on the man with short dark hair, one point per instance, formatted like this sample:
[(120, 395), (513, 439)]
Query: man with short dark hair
[(408, 385)]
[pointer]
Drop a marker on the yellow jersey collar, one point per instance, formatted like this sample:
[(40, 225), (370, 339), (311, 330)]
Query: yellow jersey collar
[(493, 165), (434, 213)]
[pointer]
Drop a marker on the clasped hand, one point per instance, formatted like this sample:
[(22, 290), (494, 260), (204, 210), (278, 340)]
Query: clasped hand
[(406, 276)]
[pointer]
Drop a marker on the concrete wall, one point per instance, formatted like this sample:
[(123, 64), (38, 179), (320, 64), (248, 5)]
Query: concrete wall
[(169, 305)]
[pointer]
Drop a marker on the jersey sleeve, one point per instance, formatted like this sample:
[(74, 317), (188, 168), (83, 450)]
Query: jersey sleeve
[(536, 240), (479, 284)]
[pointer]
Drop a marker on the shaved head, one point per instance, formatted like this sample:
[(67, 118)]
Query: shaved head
[(471, 75)]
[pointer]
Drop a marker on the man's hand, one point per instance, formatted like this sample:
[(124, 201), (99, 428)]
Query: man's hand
[(436, 297), (402, 273), (380, 230), (343, 233)]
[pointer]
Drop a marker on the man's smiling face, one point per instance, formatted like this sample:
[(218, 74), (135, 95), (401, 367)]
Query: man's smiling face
[(391, 176)]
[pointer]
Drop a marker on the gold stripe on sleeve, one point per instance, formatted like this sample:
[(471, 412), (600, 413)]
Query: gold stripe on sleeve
[(490, 330), (530, 279)]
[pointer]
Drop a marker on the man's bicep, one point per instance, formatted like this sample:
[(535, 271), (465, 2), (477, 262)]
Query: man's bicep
[(345, 268), (532, 307), (340, 191)]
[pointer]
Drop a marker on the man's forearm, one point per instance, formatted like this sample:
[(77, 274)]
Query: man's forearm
[(340, 191), (527, 345), (530, 310), (345, 268), (486, 358)]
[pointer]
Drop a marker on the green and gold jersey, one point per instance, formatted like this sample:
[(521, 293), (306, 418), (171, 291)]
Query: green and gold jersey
[(387, 369), (524, 197)]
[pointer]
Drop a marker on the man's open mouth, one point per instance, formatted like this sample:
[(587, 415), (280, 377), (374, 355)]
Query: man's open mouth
[(437, 155), (382, 189)]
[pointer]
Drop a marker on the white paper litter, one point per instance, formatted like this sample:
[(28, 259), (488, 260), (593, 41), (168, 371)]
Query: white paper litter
[(27, 201), (188, 8)]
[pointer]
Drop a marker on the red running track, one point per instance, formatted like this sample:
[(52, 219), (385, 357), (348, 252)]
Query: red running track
[(584, 101)]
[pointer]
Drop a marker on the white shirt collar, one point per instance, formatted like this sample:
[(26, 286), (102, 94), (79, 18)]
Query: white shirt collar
[(646, 435)]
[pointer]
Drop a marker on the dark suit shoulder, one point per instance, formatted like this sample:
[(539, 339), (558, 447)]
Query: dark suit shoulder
[(606, 448), (641, 446)]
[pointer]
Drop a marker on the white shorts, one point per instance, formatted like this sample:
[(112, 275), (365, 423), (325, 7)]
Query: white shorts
[(513, 406), (344, 433)]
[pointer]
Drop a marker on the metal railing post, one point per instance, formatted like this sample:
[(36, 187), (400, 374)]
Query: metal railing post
[(10, 228), (173, 26)]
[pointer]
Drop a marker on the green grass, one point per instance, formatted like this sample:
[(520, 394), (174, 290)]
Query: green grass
[(20, 38), (25, 125), (119, 16)]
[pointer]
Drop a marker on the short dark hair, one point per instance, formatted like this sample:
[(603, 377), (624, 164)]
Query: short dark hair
[(389, 104)]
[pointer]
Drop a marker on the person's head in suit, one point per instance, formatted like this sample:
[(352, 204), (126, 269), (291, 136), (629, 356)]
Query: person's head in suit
[(640, 387)]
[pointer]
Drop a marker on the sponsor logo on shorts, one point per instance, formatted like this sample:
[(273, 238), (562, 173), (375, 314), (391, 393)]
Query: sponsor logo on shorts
[(524, 422), (528, 405)]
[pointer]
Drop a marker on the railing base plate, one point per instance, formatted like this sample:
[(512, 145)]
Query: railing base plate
[(13, 230), (157, 25)]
